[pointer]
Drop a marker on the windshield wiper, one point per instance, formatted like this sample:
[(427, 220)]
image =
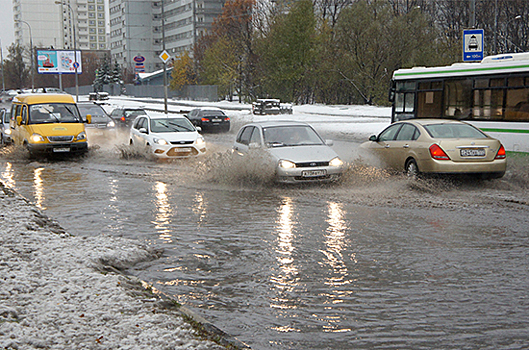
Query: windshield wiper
[(180, 126)]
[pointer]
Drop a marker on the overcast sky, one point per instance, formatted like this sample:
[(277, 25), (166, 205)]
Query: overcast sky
[(6, 25)]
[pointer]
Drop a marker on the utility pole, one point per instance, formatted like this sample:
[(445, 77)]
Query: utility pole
[(2, 63), (164, 62)]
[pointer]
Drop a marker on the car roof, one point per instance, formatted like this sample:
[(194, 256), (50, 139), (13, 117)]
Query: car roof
[(278, 123), (44, 98), (432, 121), (161, 115), (208, 109)]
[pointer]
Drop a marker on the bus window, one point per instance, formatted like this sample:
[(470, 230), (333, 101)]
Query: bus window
[(458, 98), (409, 103), (517, 105), (488, 104), (429, 104)]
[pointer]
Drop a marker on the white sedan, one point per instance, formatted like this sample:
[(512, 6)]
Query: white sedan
[(294, 149), (168, 136)]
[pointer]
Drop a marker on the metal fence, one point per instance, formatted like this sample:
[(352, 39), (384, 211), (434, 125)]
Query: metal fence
[(188, 92)]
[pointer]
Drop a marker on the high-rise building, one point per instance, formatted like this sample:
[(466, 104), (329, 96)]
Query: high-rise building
[(62, 24), (146, 28)]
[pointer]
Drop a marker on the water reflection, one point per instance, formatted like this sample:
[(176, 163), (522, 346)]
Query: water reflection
[(163, 215), (39, 187), (8, 175), (200, 207), (336, 244)]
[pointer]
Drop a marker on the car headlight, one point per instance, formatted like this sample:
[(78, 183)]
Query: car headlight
[(7, 131), (111, 124), (337, 162), (81, 136), (286, 164), (36, 138), (200, 141), (160, 142)]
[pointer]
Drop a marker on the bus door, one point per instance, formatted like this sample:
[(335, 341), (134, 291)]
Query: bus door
[(404, 103)]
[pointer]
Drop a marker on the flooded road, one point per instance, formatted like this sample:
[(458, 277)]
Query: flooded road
[(374, 262)]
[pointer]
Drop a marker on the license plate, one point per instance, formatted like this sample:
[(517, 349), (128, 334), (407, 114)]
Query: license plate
[(472, 152), (182, 149), (61, 149), (216, 120), (313, 173)]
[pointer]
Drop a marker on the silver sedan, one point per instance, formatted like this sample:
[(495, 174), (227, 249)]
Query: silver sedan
[(294, 149)]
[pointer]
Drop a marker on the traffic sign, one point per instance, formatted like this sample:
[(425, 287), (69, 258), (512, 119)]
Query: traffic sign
[(164, 56), (472, 45)]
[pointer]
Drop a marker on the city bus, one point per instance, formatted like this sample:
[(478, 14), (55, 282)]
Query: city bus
[(492, 95)]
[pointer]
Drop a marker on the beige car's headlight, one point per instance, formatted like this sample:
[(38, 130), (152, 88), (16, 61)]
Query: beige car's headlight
[(286, 164), (336, 162), (36, 138)]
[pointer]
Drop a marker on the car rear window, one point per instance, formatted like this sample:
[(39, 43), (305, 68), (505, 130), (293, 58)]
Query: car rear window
[(454, 131)]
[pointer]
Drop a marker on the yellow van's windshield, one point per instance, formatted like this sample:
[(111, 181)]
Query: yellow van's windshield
[(54, 113)]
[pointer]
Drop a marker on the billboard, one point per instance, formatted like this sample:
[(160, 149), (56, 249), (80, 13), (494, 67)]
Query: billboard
[(58, 62)]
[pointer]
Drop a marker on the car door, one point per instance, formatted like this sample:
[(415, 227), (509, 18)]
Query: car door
[(139, 137), (242, 142), (383, 147), (404, 146)]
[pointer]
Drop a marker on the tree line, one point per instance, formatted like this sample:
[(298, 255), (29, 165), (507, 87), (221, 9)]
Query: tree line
[(320, 51)]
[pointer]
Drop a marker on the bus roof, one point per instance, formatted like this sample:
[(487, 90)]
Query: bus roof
[(32, 99), (498, 64)]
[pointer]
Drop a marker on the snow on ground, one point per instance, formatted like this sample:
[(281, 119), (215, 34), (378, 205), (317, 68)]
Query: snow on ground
[(63, 292)]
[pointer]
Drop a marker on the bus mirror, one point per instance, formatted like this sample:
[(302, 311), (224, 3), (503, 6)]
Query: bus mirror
[(391, 96), (19, 119)]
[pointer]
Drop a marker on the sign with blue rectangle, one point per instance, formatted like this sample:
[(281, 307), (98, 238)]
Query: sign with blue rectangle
[(472, 45)]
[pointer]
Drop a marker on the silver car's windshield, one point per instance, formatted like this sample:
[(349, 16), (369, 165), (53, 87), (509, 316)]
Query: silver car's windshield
[(171, 125), (454, 131), (281, 136)]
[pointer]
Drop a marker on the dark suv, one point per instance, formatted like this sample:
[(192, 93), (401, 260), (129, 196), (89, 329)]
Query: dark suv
[(124, 116), (209, 119)]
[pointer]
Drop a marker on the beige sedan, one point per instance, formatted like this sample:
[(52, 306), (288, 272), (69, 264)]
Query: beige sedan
[(438, 146)]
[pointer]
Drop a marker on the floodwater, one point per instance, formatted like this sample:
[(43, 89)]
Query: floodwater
[(374, 262)]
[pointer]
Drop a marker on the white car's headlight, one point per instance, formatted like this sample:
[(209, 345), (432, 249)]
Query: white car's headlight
[(81, 136), (286, 164), (7, 131), (200, 141), (337, 162), (161, 142), (36, 138)]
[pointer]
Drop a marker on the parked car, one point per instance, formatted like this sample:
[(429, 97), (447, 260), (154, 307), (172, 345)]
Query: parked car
[(438, 146), (102, 128), (124, 116), (266, 106), (5, 129), (167, 136), (209, 119), (294, 149)]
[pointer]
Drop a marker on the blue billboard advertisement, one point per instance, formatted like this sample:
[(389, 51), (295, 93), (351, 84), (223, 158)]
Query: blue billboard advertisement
[(58, 62)]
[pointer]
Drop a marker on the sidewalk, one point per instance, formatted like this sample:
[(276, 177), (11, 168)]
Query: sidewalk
[(58, 291)]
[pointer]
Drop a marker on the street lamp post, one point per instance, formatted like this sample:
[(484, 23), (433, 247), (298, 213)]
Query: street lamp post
[(76, 64), (506, 29), (32, 54)]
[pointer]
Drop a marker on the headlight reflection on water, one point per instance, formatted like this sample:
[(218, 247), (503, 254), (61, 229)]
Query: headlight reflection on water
[(163, 214)]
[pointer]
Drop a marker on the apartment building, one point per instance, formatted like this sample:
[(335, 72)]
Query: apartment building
[(146, 28), (62, 24)]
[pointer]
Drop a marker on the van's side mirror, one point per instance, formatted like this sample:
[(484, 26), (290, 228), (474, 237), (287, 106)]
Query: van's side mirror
[(89, 118), (373, 138), (19, 119)]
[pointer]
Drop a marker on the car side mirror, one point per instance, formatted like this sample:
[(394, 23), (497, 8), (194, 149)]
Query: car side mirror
[(373, 138), (143, 131), (199, 129), (89, 118), (19, 119), (329, 142), (254, 145)]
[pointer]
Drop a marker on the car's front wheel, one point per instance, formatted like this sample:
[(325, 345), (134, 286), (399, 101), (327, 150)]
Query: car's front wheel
[(411, 169)]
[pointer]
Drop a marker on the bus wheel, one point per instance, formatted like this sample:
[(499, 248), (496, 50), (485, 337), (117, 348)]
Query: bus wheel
[(412, 170)]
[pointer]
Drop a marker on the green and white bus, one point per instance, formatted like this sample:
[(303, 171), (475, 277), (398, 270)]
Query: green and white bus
[(493, 95)]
